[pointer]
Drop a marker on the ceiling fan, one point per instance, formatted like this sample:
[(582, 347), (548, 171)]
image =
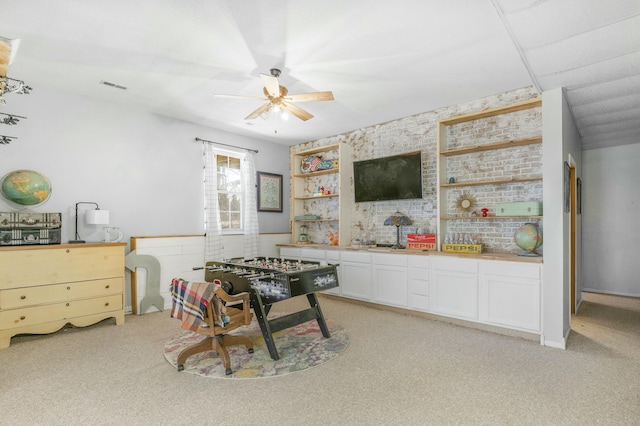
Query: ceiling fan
[(277, 97)]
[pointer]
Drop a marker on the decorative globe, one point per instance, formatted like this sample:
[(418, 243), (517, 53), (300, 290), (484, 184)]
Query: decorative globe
[(25, 187), (528, 237)]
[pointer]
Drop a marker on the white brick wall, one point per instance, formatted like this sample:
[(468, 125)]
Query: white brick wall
[(419, 132)]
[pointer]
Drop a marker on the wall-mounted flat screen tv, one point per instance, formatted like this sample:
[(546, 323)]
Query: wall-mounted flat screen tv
[(398, 177)]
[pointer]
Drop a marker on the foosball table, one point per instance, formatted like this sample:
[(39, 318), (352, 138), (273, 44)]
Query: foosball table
[(269, 281)]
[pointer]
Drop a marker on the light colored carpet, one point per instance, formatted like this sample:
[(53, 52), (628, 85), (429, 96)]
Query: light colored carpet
[(299, 348), (397, 369)]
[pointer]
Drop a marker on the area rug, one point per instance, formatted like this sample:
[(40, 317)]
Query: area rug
[(300, 348)]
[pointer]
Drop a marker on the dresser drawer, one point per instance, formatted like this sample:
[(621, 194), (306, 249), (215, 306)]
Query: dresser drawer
[(34, 315), (29, 296), (36, 267)]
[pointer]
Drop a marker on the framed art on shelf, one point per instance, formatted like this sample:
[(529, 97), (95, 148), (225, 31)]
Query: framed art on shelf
[(269, 192)]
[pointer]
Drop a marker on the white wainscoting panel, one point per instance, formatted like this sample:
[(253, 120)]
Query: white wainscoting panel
[(178, 255)]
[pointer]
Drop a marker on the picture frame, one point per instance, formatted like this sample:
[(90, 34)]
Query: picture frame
[(567, 188), (269, 192), (579, 195)]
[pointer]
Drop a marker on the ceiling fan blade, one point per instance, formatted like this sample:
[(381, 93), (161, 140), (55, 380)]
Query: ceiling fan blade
[(255, 114), (297, 111), (271, 84), (310, 97), (261, 98)]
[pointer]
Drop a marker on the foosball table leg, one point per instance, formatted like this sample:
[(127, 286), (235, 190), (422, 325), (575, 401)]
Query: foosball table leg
[(313, 302), (261, 312)]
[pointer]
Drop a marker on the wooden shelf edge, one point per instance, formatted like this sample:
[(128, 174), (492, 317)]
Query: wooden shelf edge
[(490, 182), (490, 112), (488, 217), (492, 146), (320, 173), (326, 148), (311, 197), (316, 220)]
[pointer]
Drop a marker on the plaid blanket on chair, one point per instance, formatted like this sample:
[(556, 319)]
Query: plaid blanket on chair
[(190, 301)]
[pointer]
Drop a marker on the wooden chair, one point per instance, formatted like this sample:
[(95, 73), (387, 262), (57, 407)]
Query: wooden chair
[(217, 338)]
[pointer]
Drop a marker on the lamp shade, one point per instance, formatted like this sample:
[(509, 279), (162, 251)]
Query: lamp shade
[(398, 219), (96, 217)]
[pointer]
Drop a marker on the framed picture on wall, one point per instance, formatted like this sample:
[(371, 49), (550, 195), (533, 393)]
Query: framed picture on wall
[(269, 192), (567, 188)]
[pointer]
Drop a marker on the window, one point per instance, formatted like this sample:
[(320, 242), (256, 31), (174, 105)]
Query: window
[(230, 194)]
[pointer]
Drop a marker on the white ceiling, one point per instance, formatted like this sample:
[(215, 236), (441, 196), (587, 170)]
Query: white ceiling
[(382, 60)]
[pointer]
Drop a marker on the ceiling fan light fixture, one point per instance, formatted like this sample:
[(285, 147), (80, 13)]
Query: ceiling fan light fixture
[(277, 98)]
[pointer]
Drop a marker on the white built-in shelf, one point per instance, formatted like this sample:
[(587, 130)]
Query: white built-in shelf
[(446, 155)]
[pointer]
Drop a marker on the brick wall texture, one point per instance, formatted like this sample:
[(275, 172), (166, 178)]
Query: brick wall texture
[(419, 132)]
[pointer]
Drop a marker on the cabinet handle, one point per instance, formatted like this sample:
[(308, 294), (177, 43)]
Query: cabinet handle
[(67, 304), (107, 286), (68, 250), (68, 287), (106, 304), (23, 297), (22, 318)]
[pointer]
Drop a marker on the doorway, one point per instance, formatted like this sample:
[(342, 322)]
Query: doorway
[(573, 242)]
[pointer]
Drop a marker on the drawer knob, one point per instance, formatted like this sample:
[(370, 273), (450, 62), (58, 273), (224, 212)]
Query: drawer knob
[(67, 304), (106, 304), (68, 250), (22, 318), (107, 286), (68, 287), (23, 297)]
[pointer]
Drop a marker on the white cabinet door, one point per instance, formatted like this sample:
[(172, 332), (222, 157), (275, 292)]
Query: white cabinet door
[(512, 302), (292, 253), (510, 295), (313, 254), (455, 287), (418, 282), (355, 275), (390, 279)]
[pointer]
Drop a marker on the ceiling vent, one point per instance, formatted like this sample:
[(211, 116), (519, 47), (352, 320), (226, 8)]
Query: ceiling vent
[(117, 86)]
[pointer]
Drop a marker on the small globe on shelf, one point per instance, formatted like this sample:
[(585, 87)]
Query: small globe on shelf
[(529, 238)]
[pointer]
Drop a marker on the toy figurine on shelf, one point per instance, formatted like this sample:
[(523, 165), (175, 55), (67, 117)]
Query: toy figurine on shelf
[(485, 212), (334, 237)]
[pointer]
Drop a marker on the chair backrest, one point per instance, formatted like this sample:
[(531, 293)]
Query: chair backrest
[(223, 315), (205, 307)]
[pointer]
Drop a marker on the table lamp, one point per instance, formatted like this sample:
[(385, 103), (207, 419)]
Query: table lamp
[(91, 217), (398, 219)]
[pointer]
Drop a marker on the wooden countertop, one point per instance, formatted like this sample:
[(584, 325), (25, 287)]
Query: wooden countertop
[(485, 256), (56, 246)]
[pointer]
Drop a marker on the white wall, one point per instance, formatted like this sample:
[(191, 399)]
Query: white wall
[(145, 169), (561, 142), (611, 203)]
